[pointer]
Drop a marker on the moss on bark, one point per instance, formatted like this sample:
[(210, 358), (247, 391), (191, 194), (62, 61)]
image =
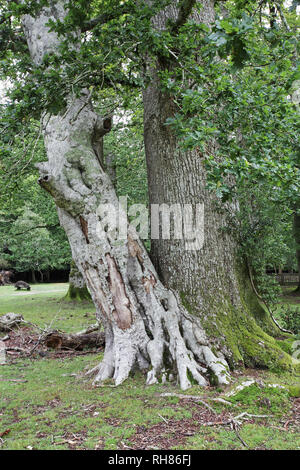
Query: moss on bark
[(245, 334), (77, 294)]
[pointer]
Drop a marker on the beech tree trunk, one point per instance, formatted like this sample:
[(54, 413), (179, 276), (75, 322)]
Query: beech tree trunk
[(77, 288), (147, 325)]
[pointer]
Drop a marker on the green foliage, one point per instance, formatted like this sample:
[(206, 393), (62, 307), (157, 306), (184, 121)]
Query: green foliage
[(234, 92), (34, 252), (290, 318), (29, 228), (263, 229)]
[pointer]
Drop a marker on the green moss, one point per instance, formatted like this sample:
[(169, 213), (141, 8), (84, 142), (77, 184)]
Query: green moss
[(186, 304), (294, 391), (258, 400), (286, 344), (190, 377), (252, 304), (237, 331), (77, 294), (247, 332)]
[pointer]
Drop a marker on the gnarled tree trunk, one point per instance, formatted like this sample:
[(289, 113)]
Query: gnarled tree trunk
[(146, 323)]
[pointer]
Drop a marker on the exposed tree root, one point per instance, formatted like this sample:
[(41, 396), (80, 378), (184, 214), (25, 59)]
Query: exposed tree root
[(163, 338)]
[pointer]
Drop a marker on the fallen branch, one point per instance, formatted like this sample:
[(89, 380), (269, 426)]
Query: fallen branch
[(9, 321), (235, 423), (235, 419), (14, 380), (235, 427), (188, 397), (17, 349), (77, 341), (2, 353), (90, 329), (221, 400)]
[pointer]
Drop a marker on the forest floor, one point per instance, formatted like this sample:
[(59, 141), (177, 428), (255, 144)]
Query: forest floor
[(46, 402)]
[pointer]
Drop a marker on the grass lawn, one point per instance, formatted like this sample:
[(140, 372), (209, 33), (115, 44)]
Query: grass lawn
[(44, 304), (48, 403)]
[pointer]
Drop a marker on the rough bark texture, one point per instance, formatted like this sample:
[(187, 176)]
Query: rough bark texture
[(212, 283), (77, 288), (146, 324)]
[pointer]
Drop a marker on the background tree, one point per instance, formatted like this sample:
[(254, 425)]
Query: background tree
[(77, 289)]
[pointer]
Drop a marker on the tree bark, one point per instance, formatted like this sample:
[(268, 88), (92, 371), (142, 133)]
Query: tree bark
[(33, 278), (212, 281), (110, 165), (146, 324)]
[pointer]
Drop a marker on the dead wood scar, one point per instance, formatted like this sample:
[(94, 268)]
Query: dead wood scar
[(122, 313), (84, 228)]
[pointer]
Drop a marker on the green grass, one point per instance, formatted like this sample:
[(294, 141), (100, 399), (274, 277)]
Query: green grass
[(44, 304), (48, 403), (255, 436)]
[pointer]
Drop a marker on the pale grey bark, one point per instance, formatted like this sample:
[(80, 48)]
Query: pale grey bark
[(143, 320)]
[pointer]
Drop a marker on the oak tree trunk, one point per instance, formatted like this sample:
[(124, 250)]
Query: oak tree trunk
[(211, 280), (159, 327)]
